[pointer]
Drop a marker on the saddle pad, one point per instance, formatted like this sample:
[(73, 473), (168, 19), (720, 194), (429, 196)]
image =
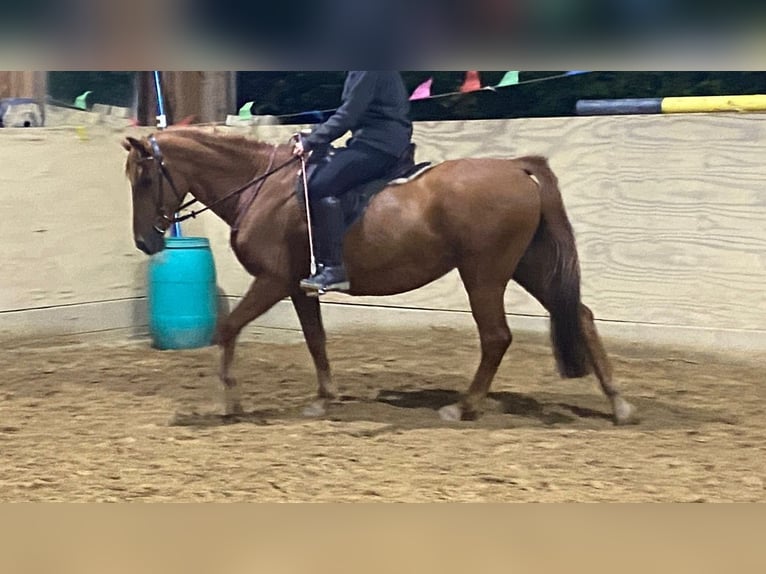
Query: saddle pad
[(355, 201)]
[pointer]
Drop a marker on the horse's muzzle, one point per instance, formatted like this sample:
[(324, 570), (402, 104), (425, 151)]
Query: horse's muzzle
[(151, 245), (142, 246)]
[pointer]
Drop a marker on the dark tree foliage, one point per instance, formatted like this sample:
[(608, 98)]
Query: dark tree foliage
[(306, 97), (539, 94), (112, 88)]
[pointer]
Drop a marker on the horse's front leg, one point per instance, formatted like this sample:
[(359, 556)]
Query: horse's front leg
[(310, 317), (262, 295)]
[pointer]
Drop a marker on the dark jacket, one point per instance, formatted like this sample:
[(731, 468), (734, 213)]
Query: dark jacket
[(375, 108)]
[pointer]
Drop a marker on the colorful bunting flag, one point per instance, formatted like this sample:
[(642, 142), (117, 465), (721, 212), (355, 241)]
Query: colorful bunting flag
[(471, 83), (80, 101), (246, 111), (423, 90), (509, 79)]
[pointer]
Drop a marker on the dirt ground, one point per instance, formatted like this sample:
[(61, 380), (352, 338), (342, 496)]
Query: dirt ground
[(100, 420)]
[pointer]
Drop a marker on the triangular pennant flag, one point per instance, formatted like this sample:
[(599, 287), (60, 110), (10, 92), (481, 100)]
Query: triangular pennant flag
[(79, 101), (246, 110), (510, 79), (471, 83), (423, 90)]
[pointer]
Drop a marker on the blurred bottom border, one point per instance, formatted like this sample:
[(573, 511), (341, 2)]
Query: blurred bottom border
[(292, 538)]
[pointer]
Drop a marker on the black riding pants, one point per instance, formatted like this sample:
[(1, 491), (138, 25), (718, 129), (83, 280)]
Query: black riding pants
[(349, 167)]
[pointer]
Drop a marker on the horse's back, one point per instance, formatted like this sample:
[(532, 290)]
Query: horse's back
[(422, 229), (461, 193)]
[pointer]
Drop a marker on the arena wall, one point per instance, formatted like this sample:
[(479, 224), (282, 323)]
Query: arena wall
[(668, 211)]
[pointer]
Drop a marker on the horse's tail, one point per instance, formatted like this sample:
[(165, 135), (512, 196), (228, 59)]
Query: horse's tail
[(562, 284)]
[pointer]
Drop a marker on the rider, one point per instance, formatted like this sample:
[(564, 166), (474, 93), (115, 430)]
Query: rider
[(375, 109)]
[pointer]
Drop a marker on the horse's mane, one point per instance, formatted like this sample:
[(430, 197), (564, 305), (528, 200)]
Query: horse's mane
[(227, 144), (233, 152)]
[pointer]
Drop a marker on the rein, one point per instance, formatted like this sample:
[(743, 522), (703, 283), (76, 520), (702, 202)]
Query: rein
[(157, 156)]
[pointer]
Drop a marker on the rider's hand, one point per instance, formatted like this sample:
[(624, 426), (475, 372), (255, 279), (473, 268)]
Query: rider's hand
[(298, 148)]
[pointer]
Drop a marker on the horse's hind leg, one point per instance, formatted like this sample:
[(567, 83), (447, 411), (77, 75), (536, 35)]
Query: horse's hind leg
[(310, 317), (531, 275), (624, 412), (262, 295), (487, 307)]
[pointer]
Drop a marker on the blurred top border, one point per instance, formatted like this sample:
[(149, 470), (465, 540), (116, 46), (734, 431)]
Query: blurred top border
[(190, 35)]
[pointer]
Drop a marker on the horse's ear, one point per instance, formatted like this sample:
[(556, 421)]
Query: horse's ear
[(130, 143)]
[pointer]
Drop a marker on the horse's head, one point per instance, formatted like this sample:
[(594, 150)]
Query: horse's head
[(155, 196)]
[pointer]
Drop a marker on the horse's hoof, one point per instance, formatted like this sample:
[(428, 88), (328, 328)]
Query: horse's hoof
[(624, 413), (451, 413), (316, 409)]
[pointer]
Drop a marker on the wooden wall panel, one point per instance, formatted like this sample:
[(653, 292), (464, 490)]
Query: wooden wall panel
[(66, 230), (669, 214)]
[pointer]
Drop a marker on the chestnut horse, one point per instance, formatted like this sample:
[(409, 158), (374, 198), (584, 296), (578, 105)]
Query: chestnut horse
[(492, 219)]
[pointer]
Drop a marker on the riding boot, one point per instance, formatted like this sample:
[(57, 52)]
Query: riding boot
[(329, 230)]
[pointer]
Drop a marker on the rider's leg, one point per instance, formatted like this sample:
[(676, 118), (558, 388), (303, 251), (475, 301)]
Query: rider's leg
[(329, 226), (348, 168)]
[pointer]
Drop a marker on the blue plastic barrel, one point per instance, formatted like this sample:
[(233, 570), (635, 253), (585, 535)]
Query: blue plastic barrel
[(182, 294)]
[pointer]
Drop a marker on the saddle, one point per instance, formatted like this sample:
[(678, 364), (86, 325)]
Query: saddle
[(355, 201)]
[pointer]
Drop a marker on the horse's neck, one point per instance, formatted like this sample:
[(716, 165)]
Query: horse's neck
[(215, 170)]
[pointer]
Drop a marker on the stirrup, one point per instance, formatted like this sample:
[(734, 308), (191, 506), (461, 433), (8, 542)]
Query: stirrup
[(321, 283), (314, 292), (310, 287)]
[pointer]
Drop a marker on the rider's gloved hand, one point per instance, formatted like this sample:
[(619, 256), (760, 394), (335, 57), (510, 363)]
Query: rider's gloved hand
[(298, 147)]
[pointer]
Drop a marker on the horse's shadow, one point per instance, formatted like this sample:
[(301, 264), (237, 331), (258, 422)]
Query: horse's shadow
[(506, 403), (260, 417), (414, 409)]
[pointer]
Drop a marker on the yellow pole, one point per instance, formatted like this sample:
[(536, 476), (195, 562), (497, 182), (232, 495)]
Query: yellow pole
[(688, 104)]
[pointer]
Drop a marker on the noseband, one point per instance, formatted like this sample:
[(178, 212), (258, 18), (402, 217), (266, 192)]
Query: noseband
[(164, 220), (164, 174)]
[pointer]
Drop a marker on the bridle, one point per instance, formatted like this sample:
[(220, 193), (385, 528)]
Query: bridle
[(164, 220)]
